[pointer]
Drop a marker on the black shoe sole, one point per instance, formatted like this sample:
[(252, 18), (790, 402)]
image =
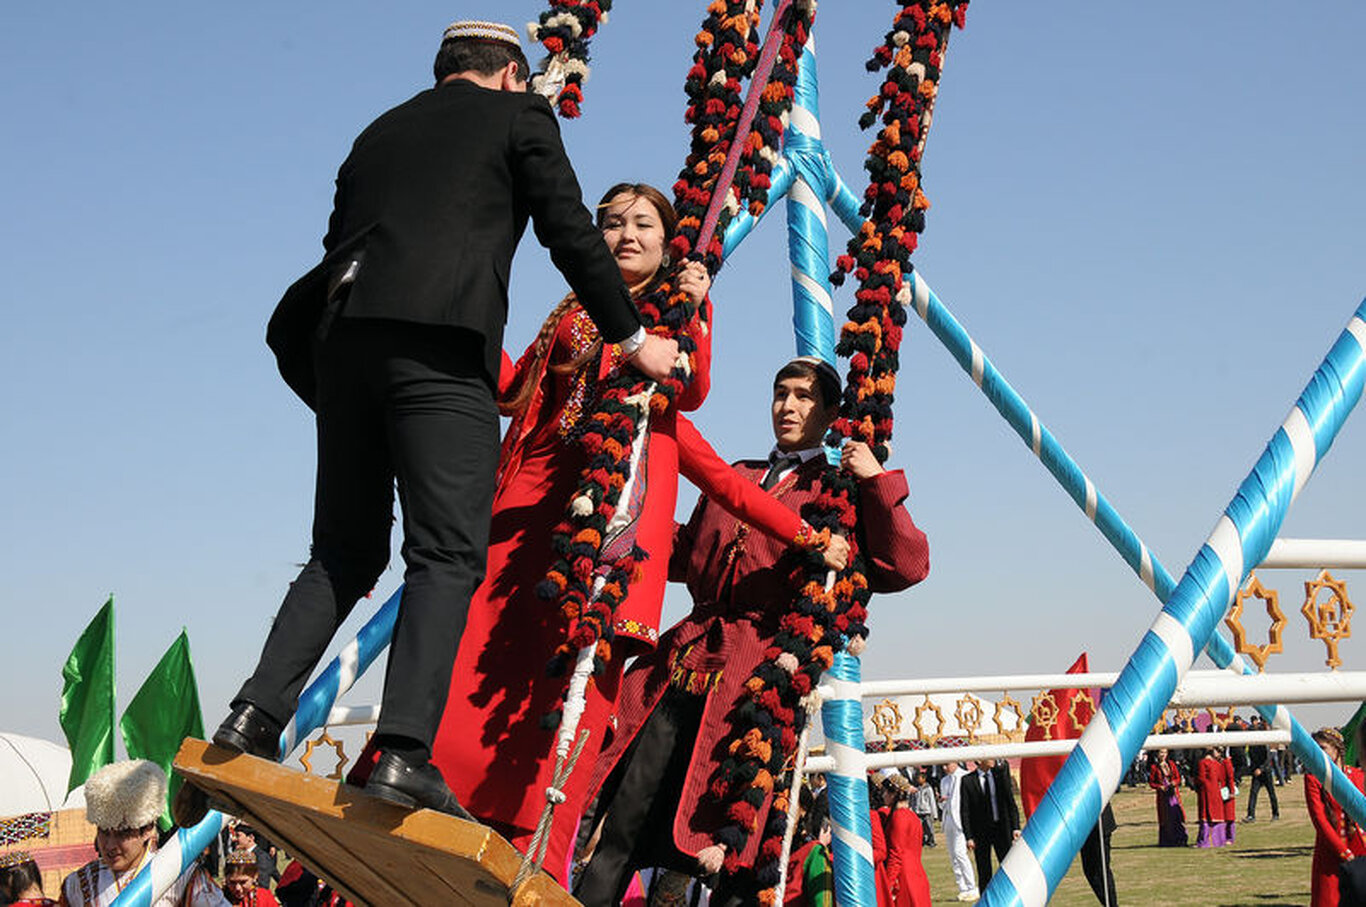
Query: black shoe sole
[(391, 795), (229, 739), (399, 798)]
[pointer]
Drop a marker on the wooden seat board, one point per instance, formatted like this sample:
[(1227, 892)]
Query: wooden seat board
[(370, 850)]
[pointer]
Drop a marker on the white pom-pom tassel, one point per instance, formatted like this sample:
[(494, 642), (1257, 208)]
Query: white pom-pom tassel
[(582, 506)]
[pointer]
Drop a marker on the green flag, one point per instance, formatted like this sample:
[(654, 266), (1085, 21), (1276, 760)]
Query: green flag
[(1349, 733), (87, 714), (163, 713)]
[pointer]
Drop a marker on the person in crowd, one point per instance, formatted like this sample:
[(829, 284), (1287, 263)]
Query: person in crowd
[(247, 839), (1095, 859), (241, 883), (1229, 793), (878, 809), (123, 800), (395, 340), (1164, 777), (1337, 839), (906, 879), (811, 867), (21, 882), (950, 798), (925, 802), (1210, 789), (299, 887), (492, 743), (991, 817), (1237, 755), (1262, 772), (656, 774)]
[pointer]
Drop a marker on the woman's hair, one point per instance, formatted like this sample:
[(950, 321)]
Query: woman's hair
[(18, 877), (1330, 735), (518, 396)]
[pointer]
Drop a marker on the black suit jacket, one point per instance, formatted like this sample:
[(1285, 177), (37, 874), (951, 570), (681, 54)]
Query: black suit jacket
[(430, 204), (975, 808)]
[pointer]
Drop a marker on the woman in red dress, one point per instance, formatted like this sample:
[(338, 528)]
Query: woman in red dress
[(906, 878), (492, 747), (1209, 779), (1164, 777), (1337, 839)]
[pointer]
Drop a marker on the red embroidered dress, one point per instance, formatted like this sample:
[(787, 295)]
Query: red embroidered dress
[(491, 747)]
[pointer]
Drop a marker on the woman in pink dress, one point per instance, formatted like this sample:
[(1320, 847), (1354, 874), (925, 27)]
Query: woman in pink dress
[(1164, 777)]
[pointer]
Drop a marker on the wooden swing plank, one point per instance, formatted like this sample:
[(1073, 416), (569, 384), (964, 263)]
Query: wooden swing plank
[(369, 850)]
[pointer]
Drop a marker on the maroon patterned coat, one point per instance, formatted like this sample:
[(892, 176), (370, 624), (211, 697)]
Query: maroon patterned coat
[(741, 583)]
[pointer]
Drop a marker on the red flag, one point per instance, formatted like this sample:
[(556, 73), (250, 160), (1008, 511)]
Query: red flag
[(1059, 715)]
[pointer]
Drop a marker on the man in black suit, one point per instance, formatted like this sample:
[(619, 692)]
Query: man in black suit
[(991, 819), (395, 340)]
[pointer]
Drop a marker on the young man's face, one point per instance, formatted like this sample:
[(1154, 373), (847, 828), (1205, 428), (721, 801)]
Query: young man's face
[(122, 849), (800, 419)]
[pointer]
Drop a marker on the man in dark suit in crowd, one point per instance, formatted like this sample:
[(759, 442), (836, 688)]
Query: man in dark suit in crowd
[(991, 819), (395, 340), (1263, 775)]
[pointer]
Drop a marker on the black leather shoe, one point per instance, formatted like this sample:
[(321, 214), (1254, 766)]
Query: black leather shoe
[(414, 786), (250, 730)]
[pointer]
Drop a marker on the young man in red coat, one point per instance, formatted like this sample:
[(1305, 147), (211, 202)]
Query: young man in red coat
[(653, 778)]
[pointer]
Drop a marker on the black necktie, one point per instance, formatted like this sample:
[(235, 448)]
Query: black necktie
[(778, 463)]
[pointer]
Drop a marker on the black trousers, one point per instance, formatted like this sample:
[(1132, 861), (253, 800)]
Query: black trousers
[(405, 403), (1265, 780), (1095, 864), (639, 801), (998, 839)]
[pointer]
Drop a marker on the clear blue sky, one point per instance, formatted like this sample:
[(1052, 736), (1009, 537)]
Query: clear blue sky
[(1149, 216)]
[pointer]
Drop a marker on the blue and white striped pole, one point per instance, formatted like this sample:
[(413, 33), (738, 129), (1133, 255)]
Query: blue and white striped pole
[(354, 660), (813, 321), (315, 704), (176, 857), (808, 244), (805, 174), (850, 825), (1099, 511), (1241, 539)]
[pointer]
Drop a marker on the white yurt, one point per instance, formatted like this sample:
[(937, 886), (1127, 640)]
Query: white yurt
[(33, 775)]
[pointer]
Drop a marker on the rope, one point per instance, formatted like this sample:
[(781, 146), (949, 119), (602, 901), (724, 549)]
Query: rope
[(554, 795), (798, 769), (757, 83)]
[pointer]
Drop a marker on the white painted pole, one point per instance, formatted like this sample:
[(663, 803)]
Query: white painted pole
[(942, 754), (1340, 554), (1199, 687)]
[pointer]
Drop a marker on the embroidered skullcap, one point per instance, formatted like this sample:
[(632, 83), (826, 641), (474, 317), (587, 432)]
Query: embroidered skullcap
[(898, 781), (128, 794), (829, 378), (474, 30), (241, 857), (12, 858), (1330, 735)]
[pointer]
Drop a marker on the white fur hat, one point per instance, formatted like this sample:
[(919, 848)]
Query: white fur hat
[(128, 794)]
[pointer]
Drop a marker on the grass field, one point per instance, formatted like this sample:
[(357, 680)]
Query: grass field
[(1267, 867)]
